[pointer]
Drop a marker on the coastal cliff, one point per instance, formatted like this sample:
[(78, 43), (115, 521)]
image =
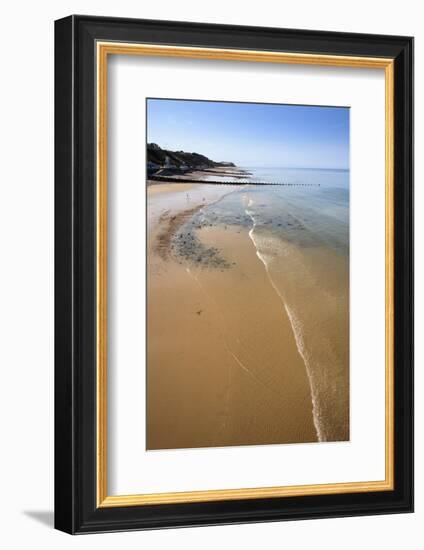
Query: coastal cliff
[(164, 158)]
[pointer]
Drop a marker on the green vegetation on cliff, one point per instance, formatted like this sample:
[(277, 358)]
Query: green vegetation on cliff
[(179, 159)]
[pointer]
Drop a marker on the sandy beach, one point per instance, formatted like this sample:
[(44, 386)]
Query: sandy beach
[(248, 247), (224, 365), (228, 173)]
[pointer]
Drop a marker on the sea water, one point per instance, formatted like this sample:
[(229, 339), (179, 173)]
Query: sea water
[(300, 231)]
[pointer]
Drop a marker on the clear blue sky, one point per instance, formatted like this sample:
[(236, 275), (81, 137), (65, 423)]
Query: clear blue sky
[(250, 134)]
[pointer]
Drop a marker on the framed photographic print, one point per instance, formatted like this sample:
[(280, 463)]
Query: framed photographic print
[(233, 272)]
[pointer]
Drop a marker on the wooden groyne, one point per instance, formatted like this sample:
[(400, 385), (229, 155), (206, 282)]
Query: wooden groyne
[(170, 179)]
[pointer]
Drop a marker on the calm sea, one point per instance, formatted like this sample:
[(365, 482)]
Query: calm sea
[(301, 235)]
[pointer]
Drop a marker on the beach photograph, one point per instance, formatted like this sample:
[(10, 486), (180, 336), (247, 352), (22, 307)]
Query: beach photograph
[(247, 274)]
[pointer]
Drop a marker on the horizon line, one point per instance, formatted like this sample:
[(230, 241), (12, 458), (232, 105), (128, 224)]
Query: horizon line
[(294, 167)]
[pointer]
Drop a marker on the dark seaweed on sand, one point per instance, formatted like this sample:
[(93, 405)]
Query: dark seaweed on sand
[(187, 246)]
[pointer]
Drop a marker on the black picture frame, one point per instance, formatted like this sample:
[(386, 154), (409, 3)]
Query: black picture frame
[(76, 510)]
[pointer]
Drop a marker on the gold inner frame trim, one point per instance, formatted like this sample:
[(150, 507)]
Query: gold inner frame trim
[(104, 49)]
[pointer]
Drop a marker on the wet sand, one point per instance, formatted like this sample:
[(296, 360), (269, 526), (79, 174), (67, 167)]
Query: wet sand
[(224, 366)]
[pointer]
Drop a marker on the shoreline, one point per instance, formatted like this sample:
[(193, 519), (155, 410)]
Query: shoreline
[(232, 266), (229, 351), (226, 381)]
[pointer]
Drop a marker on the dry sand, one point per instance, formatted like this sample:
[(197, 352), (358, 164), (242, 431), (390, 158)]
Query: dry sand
[(158, 187)]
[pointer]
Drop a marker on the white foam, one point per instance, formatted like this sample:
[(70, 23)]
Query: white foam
[(295, 324)]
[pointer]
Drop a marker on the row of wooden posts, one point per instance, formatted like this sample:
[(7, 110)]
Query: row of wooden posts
[(170, 179)]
